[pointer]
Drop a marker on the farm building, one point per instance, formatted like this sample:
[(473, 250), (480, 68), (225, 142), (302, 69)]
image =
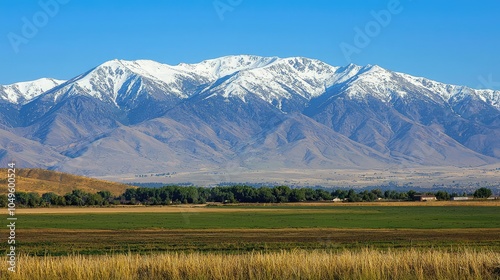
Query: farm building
[(424, 197), (456, 198)]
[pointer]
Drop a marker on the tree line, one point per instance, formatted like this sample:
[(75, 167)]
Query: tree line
[(169, 195)]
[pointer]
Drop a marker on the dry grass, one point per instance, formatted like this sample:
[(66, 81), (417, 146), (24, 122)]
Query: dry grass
[(44, 181), (364, 264)]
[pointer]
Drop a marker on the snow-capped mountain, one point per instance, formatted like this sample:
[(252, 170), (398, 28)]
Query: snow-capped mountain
[(256, 112), (384, 85), (271, 78), (282, 79), (123, 83), (119, 81), (22, 93), (214, 69)]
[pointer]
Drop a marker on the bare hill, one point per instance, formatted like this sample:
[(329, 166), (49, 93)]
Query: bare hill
[(43, 181)]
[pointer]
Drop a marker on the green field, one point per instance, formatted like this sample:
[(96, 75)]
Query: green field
[(247, 228), (368, 217)]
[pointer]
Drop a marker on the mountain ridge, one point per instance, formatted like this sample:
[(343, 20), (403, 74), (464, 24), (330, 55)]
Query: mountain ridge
[(447, 91), (248, 111)]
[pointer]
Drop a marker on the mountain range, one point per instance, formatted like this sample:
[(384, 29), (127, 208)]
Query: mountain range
[(257, 113)]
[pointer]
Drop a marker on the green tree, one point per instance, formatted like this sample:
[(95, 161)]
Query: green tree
[(411, 194), (4, 200), (50, 198), (378, 193), (297, 195), (204, 194), (322, 195), (61, 201), (404, 196), (76, 198), (229, 197), (482, 193), (34, 199), (266, 195), (352, 196), (22, 198), (340, 194), (442, 195), (106, 197), (282, 193), (368, 196), (310, 194), (192, 195), (94, 199)]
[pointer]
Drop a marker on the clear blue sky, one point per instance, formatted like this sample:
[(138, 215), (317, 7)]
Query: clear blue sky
[(450, 41)]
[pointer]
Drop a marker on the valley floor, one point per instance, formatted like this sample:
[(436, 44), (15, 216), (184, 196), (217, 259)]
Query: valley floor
[(58, 231), (459, 179), (411, 240)]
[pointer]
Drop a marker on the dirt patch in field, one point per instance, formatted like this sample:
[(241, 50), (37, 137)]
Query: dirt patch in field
[(271, 234), (55, 241)]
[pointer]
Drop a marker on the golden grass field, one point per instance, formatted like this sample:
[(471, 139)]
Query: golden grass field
[(297, 264)]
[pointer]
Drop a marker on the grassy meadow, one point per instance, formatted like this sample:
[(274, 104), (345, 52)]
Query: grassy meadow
[(269, 217), (234, 229)]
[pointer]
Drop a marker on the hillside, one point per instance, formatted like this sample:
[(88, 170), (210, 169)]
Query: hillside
[(43, 181)]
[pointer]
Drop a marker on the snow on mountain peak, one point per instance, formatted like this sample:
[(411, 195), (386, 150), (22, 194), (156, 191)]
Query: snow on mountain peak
[(372, 80), (224, 66), (448, 92), (102, 82), (384, 84), (117, 77), (275, 79), (21, 93), (269, 78)]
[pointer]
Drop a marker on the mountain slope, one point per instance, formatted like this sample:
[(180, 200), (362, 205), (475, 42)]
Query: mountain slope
[(375, 104), (14, 96), (26, 152)]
